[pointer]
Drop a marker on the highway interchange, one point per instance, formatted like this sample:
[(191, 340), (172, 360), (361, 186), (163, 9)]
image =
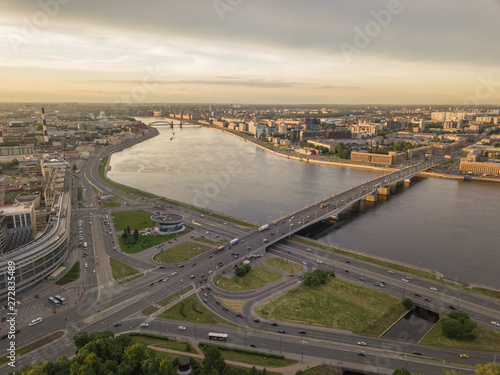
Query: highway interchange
[(105, 303)]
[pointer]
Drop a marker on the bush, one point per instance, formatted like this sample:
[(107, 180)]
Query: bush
[(243, 270), (407, 303), (459, 326)]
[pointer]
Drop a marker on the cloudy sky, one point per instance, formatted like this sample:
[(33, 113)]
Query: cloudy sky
[(251, 51)]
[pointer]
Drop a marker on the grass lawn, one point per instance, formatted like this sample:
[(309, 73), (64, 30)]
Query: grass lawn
[(258, 277), (284, 264), (192, 310), (180, 253), (251, 357), (199, 239), (145, 242), (129, 279), (318, 370), (79, 190), (149, 310), (72, 275), (487, 339), (134, 219), (233, 304), (486, 292), (111, 204), (121, 270), (170, 298), (338, 304), (163, 342)]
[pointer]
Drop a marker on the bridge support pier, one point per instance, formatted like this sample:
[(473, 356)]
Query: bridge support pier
[(407, 181), (385, 191), (372, 198)]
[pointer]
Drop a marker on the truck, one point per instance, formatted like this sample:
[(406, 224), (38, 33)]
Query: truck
[(217, 249), (264, 227), (234, 242)]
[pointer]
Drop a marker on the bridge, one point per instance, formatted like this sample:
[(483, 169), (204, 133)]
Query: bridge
[(164, 122), (331, 207)]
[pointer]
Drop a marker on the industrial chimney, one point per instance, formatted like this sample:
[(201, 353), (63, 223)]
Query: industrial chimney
[(45, 135)]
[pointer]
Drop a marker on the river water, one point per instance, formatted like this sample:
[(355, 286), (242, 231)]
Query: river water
[(446, 225)]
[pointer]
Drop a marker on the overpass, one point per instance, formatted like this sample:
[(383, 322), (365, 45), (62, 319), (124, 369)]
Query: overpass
[(332, 206)]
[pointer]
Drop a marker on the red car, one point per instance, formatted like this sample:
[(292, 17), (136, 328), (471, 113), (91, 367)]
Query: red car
[(201, 287), (292, 275), (427, 299), (169, 241), (418, 295)]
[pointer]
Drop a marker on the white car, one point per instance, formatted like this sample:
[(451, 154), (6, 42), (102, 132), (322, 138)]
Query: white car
[(496, 324), (174, 273), (181, 328), (319, 261), (432, 288), (362, 343), (144, 325), (405, 280), (391, 272), (304, 263)]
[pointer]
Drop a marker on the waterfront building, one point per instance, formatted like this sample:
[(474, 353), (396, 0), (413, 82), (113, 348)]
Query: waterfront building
[(168, 223)]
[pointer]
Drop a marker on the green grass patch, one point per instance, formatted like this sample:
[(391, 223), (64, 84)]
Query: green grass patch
[(204, 240), (111, 204), (258, 277), (191, 309), (72, 275), (250, 356), (319, 370), (80, 194), (163, 342), (149, 310), (284, 264), (383, 263), (34, 345), (486, 292), (134, 219), (165, 301), (129, 279), (338, 304), (487, 339), (180, 253), (121, 270)]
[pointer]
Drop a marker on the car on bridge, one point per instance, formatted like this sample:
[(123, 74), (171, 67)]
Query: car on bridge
[(181, 328), (465, 356)]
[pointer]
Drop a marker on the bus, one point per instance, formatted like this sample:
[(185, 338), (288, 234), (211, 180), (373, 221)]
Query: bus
[(61, 300), (35, 321), (54, 302), (217, 336), (264, 227), (234, 242)]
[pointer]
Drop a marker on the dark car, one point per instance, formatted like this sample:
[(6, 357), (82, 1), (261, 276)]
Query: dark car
[(303, 331), (256, 320), (418, 295), (117, 324), (37, 296), (194, 264), (253, 345), (17, 331), (151, 284), (162, 267), (453, 307), (182, 265), (209, 288), (4, 337), (3, 319), (417, 353), (348, 261), (274, 324), (347, 271), (363, 354), (225, 308), (239, 315), (281, 331)]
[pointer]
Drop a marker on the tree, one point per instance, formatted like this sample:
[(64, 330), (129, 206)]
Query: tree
[(407, 303), (128, 230), (401, 371), (459, 326), (81, 339), (213, 362), (488, 369), (136, 235), (124, 235), (74, 167)]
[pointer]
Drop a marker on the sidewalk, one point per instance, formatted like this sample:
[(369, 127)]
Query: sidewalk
[(287, 370)]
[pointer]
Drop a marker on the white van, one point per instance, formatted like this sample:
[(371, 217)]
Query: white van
[(35, 321)]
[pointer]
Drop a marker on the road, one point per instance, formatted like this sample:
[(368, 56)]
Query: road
[(107, 303)]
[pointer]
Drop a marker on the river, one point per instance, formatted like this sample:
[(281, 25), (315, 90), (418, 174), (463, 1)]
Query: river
[(447, 225)]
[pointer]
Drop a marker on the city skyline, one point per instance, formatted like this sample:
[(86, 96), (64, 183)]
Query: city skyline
[(235, 51)]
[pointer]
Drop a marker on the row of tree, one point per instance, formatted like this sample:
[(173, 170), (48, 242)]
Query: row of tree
[(100, 353)]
